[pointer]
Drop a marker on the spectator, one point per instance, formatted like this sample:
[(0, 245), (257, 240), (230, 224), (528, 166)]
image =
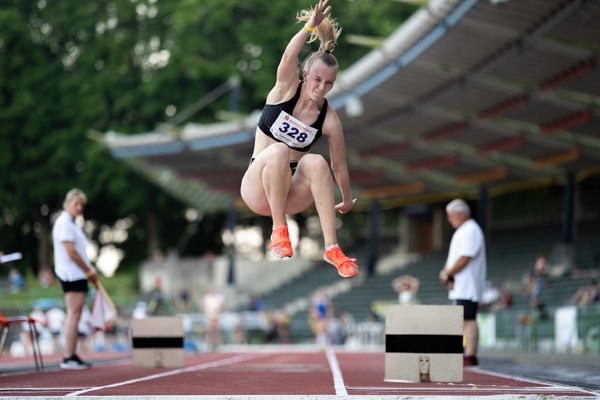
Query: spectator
[(505, 302), (140, 311), (239, 330), (587, 294), (183, 300), (320, 313), (407, 287), (282, 324), (45, 277), (348, 325), (16, 281), (464, 271), (56, 320), (256, 303), (335, 329), (156, 299), (538, 279), (73, 269), (490, 295), (212, 304)]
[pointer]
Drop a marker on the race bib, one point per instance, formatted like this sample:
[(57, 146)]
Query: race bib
[(292, 131)]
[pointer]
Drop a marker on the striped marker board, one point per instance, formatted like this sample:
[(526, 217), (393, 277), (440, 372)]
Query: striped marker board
[(423, 343), (157, 342)]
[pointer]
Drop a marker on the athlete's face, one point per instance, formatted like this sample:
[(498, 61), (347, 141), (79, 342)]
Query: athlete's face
[(319, 79)]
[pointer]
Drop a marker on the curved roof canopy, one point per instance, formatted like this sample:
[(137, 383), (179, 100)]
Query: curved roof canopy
[(499, 93)]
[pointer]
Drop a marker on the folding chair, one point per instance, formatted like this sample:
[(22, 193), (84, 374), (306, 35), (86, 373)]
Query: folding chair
[(6, 322)]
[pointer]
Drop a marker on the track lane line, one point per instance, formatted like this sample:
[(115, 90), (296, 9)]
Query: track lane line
[(536, 381), (42, 389), (338, 380), (470, 389), (211, 364)]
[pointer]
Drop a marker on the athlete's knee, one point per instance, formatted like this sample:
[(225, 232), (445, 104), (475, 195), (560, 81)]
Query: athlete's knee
[(316, 164)]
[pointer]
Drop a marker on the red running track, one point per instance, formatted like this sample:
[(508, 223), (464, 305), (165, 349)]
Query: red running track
[(267, 374)]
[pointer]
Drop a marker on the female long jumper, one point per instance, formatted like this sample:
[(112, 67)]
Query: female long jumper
[(283, 176)]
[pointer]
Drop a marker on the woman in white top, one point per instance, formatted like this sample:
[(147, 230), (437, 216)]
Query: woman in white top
[(73, 269)]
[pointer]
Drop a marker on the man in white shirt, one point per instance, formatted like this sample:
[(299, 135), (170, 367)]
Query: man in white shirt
[(73, 269), (465, 270)]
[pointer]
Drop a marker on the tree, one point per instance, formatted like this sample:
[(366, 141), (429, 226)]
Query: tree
[(69, 66)]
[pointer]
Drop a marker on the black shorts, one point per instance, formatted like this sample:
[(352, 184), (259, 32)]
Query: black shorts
[(74, 286), (470, 308)]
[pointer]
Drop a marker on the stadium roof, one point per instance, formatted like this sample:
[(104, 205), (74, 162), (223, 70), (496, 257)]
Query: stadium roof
[(465, 94)]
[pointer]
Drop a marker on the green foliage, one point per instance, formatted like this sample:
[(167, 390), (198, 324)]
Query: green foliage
[(68, 67), (122, 289)]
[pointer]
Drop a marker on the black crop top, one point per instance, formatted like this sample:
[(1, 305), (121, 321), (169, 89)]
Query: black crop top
[(287, 129)]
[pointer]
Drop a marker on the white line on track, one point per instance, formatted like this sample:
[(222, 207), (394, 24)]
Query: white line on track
[(338, 380), (471, 389), (53, 368), (40, 389), (211, 364), (307, 397), (537, 381)]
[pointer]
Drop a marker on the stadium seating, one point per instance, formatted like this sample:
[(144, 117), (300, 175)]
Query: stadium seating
[(511, 254)]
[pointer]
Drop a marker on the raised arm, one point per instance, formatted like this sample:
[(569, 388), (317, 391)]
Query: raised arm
[(287, 71)]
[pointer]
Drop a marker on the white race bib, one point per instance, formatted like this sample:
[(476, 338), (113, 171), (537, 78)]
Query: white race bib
[(292, 131)]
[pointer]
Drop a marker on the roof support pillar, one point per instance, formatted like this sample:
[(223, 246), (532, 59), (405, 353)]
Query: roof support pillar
[(231, 223), (374, 216), (483, 209), (569, 208)]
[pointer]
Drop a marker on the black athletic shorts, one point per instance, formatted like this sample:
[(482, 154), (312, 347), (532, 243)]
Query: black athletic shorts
[(75, 286), (470, 308)]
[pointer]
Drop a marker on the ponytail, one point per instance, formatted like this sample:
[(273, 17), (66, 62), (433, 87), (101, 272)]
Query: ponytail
[(327, 32)]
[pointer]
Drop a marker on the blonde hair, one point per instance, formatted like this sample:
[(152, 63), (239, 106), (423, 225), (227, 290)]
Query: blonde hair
[(74, 194), (327, 32)]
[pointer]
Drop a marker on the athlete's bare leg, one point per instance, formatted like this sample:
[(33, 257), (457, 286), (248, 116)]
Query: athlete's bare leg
[(266, 184), (312, 182), (269, 189)]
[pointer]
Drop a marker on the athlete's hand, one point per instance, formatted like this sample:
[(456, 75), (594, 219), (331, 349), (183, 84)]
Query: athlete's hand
[(344, 207), (320, 12)]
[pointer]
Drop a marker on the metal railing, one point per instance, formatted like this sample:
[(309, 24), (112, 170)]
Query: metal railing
[(570, 329)]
